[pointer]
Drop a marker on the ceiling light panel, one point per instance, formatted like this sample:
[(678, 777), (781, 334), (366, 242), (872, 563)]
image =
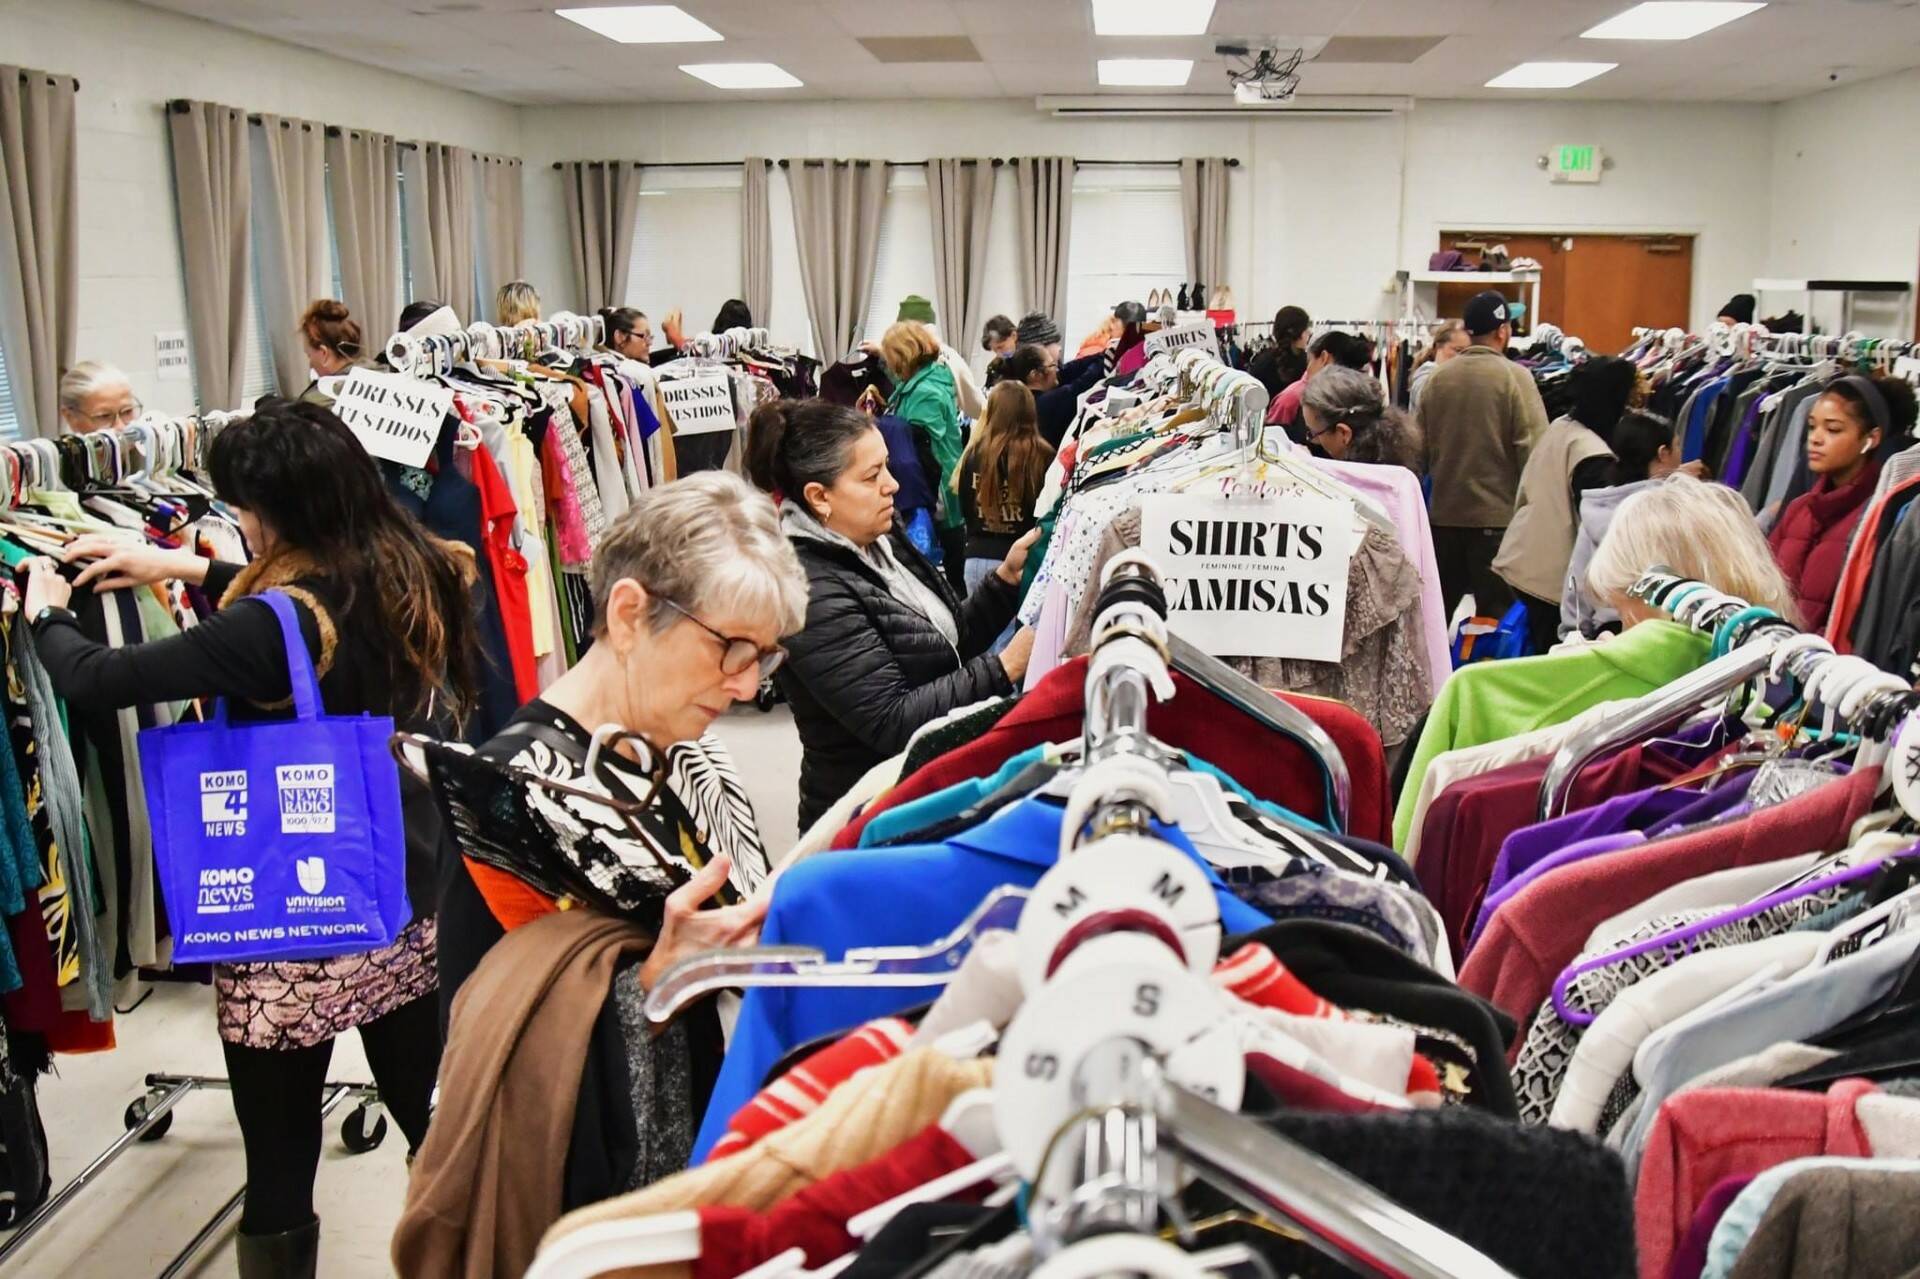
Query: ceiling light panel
[(742, 75), (1550, 75), (1146, 72), (1671, 20), (1151, 17), (643, 24)]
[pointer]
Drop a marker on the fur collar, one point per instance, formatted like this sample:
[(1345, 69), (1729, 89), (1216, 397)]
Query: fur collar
[(281, 573)]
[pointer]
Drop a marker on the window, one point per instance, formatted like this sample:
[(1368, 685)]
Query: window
[(904, 263), (686, 245), (1129, 236), (333, 246), (9, 416), (261, 379), (406, 246)]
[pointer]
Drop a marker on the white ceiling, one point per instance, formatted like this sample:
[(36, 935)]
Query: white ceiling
[(518, 51)]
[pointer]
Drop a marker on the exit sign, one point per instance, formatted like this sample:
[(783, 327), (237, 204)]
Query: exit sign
[(1576, 164)]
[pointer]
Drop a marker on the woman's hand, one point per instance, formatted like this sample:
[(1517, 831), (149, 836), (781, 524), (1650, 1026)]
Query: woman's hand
[(45, 587), (118, 564), (686, 930), (1016, 561), (1017, 653)]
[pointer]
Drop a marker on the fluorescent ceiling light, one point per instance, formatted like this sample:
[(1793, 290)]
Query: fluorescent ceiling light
[(643, 24), (1154, 72), (1671, 19), (741, 75), (1550, 75), (1151, 17)]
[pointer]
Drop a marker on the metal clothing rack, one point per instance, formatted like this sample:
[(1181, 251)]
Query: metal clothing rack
[(424, 355), (147, 1120)]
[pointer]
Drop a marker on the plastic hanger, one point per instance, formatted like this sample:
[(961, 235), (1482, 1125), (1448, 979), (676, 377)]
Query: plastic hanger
[(931, 965)]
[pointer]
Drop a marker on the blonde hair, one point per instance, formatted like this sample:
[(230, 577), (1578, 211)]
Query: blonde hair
[(1694, 528), (908, 347), (517, 301)]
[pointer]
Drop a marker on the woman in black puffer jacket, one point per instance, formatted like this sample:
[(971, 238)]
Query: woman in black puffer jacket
[(887, 646)]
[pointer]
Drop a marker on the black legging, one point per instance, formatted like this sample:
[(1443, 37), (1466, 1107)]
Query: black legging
[(277, 1094)]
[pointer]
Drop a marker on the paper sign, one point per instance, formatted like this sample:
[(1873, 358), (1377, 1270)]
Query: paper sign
[(699, 404), (170, 356), (396, 417), (1183, 336), (1906, 367), (1253, 578)]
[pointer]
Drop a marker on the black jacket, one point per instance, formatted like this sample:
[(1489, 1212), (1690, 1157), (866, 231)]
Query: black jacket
[(1055, 408), (868, 670)]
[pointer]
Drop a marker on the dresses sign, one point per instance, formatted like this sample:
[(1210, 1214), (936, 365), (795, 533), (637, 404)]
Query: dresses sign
[(1180, 337), (1253, 578), (699, 404), (396, 417)]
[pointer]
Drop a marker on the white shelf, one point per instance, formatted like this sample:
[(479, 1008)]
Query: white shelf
[(1472, 277)]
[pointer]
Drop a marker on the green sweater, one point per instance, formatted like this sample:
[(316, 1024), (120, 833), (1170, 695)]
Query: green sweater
[(1492, 700), (931, 403)]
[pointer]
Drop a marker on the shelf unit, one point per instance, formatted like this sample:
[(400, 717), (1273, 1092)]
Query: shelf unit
[(1847, 289), (1411, 282)]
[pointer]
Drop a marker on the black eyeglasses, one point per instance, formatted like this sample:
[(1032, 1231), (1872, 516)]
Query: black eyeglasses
[(738, 654)]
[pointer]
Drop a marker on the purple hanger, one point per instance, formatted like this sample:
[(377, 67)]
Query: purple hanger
[(1681, 936)]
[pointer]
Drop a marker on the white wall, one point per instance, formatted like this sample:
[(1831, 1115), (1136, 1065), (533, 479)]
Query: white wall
[(1323, 211), (131, 60), (1846, 183)]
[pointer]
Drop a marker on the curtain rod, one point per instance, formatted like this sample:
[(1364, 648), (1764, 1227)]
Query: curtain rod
[(892, 164), (53, 81)]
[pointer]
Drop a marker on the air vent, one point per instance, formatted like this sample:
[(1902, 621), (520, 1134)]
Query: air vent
[(921, 49), (1377, 49)]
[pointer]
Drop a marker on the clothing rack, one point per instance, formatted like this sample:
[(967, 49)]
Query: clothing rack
[(1751, 642), (1753, 339), (422, 355)]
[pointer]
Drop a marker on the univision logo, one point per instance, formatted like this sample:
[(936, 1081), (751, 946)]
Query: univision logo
[(312, 872)]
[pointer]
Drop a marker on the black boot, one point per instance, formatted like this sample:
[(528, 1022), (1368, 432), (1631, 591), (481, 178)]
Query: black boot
[(292, 1254), (1183, 297)]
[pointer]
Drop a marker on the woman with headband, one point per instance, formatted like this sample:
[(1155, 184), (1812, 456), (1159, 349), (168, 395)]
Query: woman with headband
[(1846, 429)]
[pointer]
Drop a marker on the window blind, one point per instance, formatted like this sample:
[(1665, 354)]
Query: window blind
[(1129, 236), (9, 416), (260, 377), (686, 245)]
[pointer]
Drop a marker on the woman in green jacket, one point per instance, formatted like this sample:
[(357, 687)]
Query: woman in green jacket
[(925, 395)]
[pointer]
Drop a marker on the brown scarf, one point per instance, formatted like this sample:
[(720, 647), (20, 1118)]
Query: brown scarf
[(279, 572)]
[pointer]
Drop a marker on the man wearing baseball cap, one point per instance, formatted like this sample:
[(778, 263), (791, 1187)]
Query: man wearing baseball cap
[(1480, 414)]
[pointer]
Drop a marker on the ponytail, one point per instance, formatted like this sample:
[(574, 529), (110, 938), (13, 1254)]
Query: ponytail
[(794, 443)]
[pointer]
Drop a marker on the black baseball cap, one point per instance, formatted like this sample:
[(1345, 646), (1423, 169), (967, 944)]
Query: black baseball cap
[(1130, 313), (1485, 314)]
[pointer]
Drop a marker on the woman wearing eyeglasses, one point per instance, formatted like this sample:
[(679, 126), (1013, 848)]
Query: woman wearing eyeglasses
[(96, 397), (887, 646)]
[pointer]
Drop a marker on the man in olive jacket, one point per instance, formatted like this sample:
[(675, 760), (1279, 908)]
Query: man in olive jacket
[(1480, 413)]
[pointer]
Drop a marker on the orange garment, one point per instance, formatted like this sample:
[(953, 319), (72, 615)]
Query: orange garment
[(512, 901)]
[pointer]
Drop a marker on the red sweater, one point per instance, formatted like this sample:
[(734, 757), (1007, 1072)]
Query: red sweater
[(1810, 541)]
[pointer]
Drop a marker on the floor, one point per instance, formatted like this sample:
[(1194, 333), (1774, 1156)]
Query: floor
[(133, 1219)]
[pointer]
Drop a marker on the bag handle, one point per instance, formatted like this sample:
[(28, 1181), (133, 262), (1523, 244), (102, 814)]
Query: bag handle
[(306, 684)]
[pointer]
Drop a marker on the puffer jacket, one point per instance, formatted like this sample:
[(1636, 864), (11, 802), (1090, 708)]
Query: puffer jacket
[(868, 670), (1810, 541)]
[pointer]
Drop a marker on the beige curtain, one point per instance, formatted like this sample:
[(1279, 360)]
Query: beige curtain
[(363, 176), (837, 206), (39, 232), (756, 239), (1046, 226), (501, 219), (1203, 200), (213, 193), (290, 217), (603, 198), (440, 226), (960, 195)]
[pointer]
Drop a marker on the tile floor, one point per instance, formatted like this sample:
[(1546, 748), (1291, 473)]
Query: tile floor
[(132, 1220)]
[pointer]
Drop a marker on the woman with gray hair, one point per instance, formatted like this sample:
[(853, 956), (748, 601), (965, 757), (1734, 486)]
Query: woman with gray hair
[(1349, 419), (692, 590), (1692, 527), (95, 396)]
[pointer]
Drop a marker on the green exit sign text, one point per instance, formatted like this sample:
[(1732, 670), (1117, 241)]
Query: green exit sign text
[(1577, 164)]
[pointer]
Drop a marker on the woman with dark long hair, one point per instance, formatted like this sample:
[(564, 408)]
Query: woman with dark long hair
[(998, 482), (386, 612)]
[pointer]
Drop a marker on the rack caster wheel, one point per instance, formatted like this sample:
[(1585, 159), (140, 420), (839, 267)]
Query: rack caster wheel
[(137, 1115), (356, 1136)]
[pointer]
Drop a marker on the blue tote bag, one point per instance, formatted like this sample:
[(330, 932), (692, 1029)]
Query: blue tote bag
[(280, 839)]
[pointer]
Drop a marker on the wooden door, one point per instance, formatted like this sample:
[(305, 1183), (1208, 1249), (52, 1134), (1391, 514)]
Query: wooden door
[(1594, 287)]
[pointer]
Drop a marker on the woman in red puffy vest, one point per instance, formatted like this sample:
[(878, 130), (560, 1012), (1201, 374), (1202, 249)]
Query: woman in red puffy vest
[(1845, 429)]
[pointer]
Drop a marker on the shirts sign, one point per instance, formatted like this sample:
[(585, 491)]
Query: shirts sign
[(1253, 578), (396, 417), (170, 356), (699, 404), (1182, 336)]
